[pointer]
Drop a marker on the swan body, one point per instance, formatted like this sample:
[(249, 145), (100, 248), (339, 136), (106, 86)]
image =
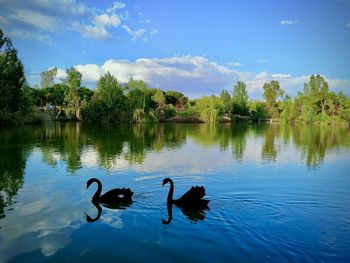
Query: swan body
[(111, 197), (193, 198)]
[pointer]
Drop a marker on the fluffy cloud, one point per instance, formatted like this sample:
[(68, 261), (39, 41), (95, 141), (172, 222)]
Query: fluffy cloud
[(29, 34), (39, 17), (234, 64), (91, 31), (3, 20), (195, 76), (34, 19), (107, 20), (98, 28), (115, 6), (288, 22), (135, 34)]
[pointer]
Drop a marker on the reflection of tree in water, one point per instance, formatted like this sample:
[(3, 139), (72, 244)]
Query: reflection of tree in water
[(13, 154), (62, 141), (222, 135), (315, 140), (239, 133), (269, 151)]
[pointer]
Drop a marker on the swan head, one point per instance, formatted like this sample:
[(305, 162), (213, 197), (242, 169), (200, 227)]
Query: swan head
[(166, 180), (90, 181)]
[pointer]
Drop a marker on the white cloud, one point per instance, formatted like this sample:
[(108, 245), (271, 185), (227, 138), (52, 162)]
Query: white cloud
[(42, 16), (288, 22), (196, 76), (34, 19), (32, 35), (153, 31), (234, 64), (55, 8), (127, 29), (135, 34), (107, 20), (115, 6), (347, 24), (61, 74), (3, 20), (91, 31)]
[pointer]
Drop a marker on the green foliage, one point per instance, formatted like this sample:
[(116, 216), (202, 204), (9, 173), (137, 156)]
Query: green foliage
[(13, 87), (226, 101), (257, 110), (209, 108), (317, 104), (138, 115), (159, 98), (240, 99), (272, 91), (137, 94), (71, 98), (109, 96), (169, 111), (176, 98)]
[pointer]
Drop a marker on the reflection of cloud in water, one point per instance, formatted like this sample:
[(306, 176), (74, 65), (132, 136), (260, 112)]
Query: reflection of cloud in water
[(49, 219), (89, 157)]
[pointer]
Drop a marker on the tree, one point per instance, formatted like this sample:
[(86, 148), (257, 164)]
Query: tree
[(72, 99), (226, 101), (137, 94), (47, 77), (13, 86), (109, 94), (176, 98), (286, 113), (159, 98), (240, 99), (272, 91), (318, 93)]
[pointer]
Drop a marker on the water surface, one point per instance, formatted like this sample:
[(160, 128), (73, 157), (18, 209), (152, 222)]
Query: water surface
[(278, 193)]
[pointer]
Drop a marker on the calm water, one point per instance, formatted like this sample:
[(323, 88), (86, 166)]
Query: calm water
[(278, 193)]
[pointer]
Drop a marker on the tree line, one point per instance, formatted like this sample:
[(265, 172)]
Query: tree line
[(135, 101)]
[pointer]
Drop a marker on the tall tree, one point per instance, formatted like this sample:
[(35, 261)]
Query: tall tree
[(12, 80), (272, 91), (47, 77), (159, 98), (109, 94), (318, 92), (226, 101), (72, 99), (240, 99), (137, 94), (176, 98)]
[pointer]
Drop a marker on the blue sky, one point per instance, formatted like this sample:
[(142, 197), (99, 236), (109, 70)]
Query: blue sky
[(197, 47)]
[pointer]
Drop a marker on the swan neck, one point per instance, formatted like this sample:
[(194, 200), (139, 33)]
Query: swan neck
[(98, 191), (171, 191)]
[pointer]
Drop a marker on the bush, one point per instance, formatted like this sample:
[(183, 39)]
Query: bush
[(169, 111)]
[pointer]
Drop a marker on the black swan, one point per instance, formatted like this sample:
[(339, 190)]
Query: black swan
[(191, 199), (112, 197)]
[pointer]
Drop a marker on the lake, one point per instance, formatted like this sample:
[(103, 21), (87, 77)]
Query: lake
[(279, 193)]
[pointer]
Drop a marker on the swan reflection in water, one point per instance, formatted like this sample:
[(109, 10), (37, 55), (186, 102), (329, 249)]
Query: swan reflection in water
[(193, 214), (121, 206), (118, 198)]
